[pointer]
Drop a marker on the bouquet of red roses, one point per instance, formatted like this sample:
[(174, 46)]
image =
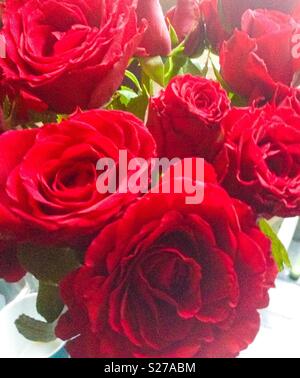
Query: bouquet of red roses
[(142, 154)]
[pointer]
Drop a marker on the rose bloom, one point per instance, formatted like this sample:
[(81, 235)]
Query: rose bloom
[(185, 117), (48, 176), (179, 281), (287, 97), (71, 53), (260, 162), (232, 10), (156, 40), (10, 269), (23, 103), (216, 31), (186, 19), (251, 63)]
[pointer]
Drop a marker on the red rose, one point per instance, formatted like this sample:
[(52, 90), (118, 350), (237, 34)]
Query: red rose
[(185, 17), (222, 16), (216, 32), (251, 63), (262, 152), (22, 103), (10, 269), (2, 122), (157, 39), (178, 281), (185, 118), (287, 97), (232, 10), (69, 53), (187, 21), (48, 176)]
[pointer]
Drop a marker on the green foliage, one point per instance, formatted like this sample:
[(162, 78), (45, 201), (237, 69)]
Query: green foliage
[(61, 117), (133, 101), (173, 36), (7, 107), (154, 68), (280, 254), (49, 303), (194, 67), (220, 78), (175, 63), (236, 100), (134, 80), (48, 264), (35, 330)]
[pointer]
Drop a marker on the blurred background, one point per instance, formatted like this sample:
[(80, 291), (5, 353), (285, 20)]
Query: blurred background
[(279, 336), (167, 4)]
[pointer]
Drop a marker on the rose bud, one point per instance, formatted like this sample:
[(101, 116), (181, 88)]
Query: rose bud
[(185, 118), (156, 40), (251, 63)]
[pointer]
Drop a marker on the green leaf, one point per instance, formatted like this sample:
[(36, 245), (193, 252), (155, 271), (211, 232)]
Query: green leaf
[(220, 78), (7, 107), (193, 67), (138, 106), (126, 95), (61, 117), (237, 100), (148, 85), (41, 117), (154, 68), (48, 264), (173, 36), (175, 63), (35, 330), (178, 51), (127, 99), (49, 303), (134, 79), (280, 254)]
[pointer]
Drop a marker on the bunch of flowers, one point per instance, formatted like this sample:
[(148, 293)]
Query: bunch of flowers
[(146, 274)]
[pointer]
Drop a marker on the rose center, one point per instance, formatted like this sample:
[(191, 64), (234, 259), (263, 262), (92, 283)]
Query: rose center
[(78, 175), (174, 278), (278, 161)]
